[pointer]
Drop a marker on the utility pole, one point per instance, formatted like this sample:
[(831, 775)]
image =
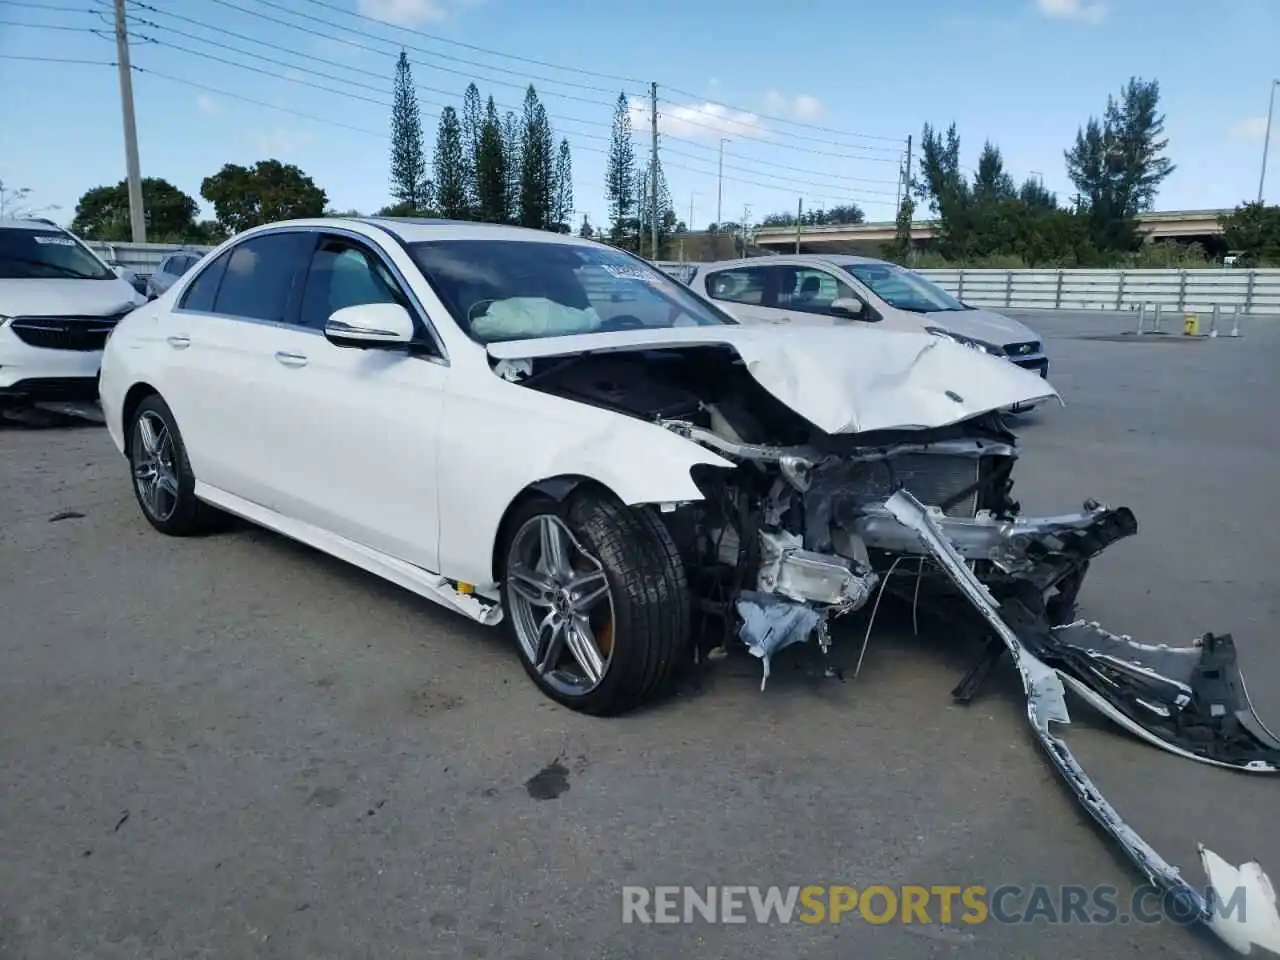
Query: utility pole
[(653, 186), (137, 213), (1266, 137), (720, 185), (906, 177), (746, 214), (799, 216)]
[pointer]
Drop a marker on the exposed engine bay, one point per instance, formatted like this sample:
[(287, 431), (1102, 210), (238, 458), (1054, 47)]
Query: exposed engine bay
[(810, 527)]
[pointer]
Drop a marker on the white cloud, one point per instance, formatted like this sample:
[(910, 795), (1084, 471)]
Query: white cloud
[(1083, 11), (207, 104), (412, 13), (804, 107), (1250, 128), (280, 142), (706, 120)]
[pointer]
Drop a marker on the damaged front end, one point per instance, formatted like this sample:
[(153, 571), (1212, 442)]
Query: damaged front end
[(810, 526)]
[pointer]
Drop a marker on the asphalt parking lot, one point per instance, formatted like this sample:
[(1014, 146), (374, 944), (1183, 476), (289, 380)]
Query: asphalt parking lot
[(236, 747)]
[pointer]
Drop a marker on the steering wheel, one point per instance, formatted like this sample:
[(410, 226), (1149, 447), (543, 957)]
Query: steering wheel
[(623, 321)]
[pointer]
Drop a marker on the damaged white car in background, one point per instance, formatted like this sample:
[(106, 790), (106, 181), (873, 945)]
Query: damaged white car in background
[(572, 443)]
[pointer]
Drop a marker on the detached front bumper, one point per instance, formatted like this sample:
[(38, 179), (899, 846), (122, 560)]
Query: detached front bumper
[(1190, 701)]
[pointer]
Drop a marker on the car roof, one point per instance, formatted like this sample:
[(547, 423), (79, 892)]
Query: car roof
[(791, 259), (29, 223), (421, 229)]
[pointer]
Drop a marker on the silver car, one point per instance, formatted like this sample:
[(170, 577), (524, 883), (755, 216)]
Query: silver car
[(816, 289), (171, 268)]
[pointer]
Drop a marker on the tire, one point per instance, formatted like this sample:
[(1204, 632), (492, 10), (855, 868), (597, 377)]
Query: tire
[(649, 605), (180, 513)]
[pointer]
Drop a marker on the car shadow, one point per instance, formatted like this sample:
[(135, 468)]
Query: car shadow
[(58, 416)]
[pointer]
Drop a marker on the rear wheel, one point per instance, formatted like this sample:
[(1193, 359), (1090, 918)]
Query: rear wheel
[(162, 479), (596, 598)]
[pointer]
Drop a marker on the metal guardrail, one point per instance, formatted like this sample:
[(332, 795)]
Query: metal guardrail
[(1196, 290), (1230, 289), (141, 258)]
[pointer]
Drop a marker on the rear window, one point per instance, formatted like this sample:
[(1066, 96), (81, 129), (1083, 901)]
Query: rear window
[(34, 254)]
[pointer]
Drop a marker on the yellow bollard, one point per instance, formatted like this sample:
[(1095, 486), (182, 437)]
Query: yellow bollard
[(1191, 325)]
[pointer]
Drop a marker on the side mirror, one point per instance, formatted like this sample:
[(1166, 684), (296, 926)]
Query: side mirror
[(370, 325), (851, 307)]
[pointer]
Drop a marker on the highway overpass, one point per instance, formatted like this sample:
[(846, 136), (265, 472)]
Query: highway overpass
[(1185, 225)]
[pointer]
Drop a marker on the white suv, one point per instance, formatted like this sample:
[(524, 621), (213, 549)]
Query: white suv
[(58, 303)]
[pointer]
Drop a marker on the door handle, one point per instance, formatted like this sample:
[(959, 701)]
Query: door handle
[(179, 343), (291, 359)]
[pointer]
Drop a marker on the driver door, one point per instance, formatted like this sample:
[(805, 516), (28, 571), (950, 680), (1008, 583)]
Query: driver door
[(362, 432)]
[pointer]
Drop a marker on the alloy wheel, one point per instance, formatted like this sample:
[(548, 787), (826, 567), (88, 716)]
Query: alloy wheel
[(155, 473), (561, 606)]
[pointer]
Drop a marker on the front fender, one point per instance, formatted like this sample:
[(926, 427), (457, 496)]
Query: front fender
[(495, 444)]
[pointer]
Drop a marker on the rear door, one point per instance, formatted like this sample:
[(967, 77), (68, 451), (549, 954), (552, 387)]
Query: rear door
[(232, 338), (743, 291)]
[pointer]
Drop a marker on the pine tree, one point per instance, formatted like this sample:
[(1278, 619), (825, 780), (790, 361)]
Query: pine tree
[(536, 165), (513, 162), (409, 183), (562, 195), (585, 231), (1117, 164), (450, 167), (472, 123), (491, 170), (620, 173), (666, 215)]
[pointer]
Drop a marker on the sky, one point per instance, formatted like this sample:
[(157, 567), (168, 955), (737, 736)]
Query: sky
[(815, 98)]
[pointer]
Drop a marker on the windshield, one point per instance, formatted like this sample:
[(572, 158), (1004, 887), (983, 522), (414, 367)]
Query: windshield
[(515, 290), (29, 254), (903, 289)]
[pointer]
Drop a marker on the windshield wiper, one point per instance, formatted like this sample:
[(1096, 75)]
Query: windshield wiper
[(67, 271)]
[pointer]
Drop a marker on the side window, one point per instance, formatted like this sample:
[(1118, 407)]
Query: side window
[(261, 274), (809, 291), (180, 265), (742, 285), (166, 265), (344, 274), (200, 294)]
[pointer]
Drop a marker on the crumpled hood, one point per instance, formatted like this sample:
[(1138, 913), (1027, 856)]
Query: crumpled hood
[(66, 298), (983, 325), (839, 379)]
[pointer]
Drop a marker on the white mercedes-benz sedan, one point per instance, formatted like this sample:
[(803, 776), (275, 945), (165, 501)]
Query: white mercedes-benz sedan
[(550, 433)]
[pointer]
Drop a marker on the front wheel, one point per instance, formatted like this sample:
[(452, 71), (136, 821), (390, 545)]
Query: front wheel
[(597, 600), (162, 479)]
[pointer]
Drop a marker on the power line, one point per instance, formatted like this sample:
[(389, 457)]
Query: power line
[(721, 129), (48, 26), (470, 73), (43, 6), (360, 70), (292, 53), (766, 163), (781, 183), (432, 54), (794, 123), (543, 63), (260, 103), (824, 189), (477, 49), (90, 63)]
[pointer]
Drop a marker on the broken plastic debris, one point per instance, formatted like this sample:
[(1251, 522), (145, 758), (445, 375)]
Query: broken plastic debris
[(1239, 926), (769, 624), (1244, 912)]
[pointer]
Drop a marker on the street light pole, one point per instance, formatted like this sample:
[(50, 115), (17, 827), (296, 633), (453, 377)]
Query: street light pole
[(1266, 138)]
